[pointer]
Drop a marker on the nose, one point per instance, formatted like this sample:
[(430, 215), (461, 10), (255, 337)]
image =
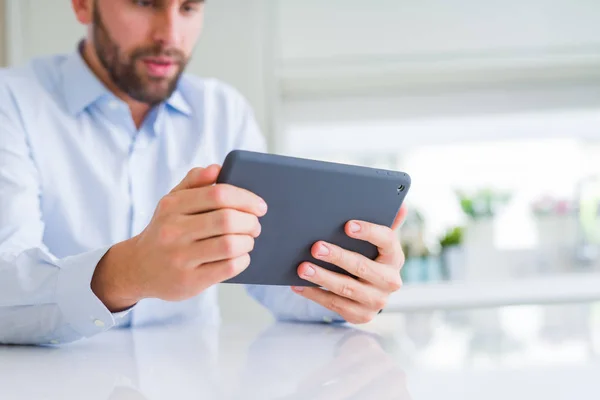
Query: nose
[(165, 30)]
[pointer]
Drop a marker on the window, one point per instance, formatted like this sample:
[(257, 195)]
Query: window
[(523, 188)]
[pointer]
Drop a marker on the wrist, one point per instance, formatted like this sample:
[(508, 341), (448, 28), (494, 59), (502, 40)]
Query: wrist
[(112, 281)]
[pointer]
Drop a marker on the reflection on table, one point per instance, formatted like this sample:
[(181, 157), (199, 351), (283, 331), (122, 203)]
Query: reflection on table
[(524, 352), (284, 361)]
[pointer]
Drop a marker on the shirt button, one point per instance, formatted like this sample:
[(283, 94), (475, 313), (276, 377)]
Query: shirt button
[(54, 342), (327, 319), (98, 323), (113, 105)]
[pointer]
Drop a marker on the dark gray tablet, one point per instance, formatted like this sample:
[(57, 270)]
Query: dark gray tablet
[(309, 201)]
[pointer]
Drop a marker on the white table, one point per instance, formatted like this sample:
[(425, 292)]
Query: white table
[(531, 352)]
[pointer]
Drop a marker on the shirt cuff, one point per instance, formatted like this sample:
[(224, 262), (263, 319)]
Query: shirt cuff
[(82, 309)]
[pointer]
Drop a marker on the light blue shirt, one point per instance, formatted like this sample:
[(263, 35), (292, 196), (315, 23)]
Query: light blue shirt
[(77, 176)]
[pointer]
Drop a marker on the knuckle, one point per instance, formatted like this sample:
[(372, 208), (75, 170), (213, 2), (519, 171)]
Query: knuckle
[(194, 172), (231, 268), (366, 318), (251, 243), (379, 303), (245, 261), (255, 222), (256, 228), (394, 283), (229, 245), (167, 234), (218, 194), (236, 265), (387, 232), (347, 290), (334, 305), (338, 256), (362, 268), (360, 318), (226, 220), (166, 203)]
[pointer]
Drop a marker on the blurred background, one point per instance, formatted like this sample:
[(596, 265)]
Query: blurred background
[(492, 107)]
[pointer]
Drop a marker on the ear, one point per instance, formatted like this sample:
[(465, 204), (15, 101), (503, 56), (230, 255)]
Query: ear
[(84, 10)]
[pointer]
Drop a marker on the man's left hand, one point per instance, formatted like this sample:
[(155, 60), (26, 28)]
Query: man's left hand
[(358, 301)]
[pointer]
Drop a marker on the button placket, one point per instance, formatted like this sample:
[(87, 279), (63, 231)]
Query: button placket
[(140, 216)]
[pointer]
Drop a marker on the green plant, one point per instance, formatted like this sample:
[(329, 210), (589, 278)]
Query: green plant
[(484, 203), (452, 237)]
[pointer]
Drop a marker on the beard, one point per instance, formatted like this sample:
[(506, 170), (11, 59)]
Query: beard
[(122, 70)]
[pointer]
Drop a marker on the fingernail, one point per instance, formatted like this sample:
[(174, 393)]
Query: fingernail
[(354, 227), (298, 289), (262, 206), (308, 271), (322, 251)]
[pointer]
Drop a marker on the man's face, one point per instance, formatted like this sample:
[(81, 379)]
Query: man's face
[(145, 45)]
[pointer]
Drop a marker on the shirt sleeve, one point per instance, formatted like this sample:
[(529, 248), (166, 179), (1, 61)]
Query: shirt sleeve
[(284, 304), (43, 299)]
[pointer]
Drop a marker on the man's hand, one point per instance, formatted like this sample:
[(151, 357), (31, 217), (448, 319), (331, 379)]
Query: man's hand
[(359, 300), (200, 234)]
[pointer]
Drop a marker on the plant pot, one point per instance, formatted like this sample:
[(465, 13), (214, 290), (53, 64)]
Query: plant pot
[(452, 263)]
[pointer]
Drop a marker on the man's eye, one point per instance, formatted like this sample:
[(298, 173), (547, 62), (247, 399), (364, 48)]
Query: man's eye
[(144, 3), (190, 7)]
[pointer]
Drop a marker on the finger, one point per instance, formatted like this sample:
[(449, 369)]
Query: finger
[(226, 221), (349, 310), (384, 238), (216, 272), (344, 286), (400, 217), (198, 177), (380, 275), (199, 200), (218, 249)]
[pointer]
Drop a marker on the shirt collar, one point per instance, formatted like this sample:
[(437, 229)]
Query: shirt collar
[(82, 88), (178, 102)]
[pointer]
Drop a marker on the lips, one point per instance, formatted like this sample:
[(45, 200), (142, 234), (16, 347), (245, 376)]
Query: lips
[(160, 66)]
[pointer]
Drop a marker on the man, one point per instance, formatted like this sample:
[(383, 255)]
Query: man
[(104, 221)]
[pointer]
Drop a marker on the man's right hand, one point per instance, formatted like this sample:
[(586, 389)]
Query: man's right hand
[(201, 234)]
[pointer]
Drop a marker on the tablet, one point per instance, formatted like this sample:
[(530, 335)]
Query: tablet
[(309, 201)]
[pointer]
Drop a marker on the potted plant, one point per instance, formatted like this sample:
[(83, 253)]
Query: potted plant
[(480, 207), (451, 251), (416, 267)]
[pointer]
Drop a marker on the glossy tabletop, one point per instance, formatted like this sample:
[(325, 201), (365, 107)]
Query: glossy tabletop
[(529, 352)]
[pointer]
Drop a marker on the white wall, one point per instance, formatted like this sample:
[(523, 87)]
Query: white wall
[(355, 64), (356, 47), (351, 29), (2, 34)]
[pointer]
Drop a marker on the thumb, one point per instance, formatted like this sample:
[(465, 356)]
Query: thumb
[(400, 217), (199, 177)]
